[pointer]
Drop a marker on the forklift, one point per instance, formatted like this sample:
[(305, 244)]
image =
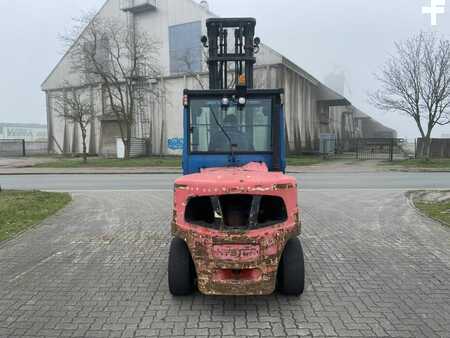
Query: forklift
[(236, 220)]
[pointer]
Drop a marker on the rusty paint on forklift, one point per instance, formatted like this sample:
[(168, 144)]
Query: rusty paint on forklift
[(236, 262)]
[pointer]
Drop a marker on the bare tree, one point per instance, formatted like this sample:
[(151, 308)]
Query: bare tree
[(73, 107), (416, 82), (112, 53)]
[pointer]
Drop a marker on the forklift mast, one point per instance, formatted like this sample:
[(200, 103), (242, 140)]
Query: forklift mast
[(233, 124), (221, 55)]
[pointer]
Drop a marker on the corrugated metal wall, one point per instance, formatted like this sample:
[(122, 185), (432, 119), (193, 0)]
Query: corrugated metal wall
[(300, 106)]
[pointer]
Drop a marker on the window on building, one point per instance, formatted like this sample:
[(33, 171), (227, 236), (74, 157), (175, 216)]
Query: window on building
[(185, 48)]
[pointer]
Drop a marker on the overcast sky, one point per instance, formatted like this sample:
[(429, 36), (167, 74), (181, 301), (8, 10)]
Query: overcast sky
[(321, 36)]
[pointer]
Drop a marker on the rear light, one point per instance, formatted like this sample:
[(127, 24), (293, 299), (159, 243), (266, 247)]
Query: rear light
[(242, 80), (185, 100), (180, 187), (242, 101)]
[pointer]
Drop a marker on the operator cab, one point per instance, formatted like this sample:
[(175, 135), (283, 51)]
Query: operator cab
[(223, 129)]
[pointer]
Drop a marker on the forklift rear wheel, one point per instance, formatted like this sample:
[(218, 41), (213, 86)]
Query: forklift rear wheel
[(291, 272), (181, 269)]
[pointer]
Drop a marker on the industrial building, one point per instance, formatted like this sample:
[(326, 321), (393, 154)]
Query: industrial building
[(311, 108)]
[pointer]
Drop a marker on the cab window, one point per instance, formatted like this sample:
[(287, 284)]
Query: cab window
[(218, 129)]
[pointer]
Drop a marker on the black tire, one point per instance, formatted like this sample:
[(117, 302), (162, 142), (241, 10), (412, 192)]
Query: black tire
[(181, 269), (291, 271)]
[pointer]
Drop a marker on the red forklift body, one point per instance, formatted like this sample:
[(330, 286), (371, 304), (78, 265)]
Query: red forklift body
[(236, 260)]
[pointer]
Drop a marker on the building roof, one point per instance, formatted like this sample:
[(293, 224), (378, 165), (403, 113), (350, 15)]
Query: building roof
[(359, 114), (284, 60), (69, 49)]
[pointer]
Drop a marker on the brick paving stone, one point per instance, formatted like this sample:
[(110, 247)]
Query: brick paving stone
[(99, 269)]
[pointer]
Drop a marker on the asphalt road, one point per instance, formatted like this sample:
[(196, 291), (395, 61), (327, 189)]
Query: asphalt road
[(307, 181)]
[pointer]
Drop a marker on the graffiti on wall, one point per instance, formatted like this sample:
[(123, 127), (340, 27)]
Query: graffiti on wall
[(176, 143), (25, 133)]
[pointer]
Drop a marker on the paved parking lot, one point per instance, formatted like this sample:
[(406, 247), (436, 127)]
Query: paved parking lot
[(98, 269)]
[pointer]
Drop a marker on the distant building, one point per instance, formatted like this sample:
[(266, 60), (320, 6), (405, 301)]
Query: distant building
[(445, 136), (27, 132), (370, 128), (311, 107), (337, 80)]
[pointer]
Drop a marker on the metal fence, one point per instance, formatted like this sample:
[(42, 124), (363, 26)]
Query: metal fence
[(19, 148), (36, 148), (385, 149), (375, 149), (12, 148), (439, 148)]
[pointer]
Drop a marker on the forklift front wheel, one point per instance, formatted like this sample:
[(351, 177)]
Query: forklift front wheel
[(181, 269), (291, 271)]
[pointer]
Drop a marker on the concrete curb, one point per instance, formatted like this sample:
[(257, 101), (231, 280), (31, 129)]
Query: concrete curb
[(89, 173), (419, 170), (410, 197), (334, 171)]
